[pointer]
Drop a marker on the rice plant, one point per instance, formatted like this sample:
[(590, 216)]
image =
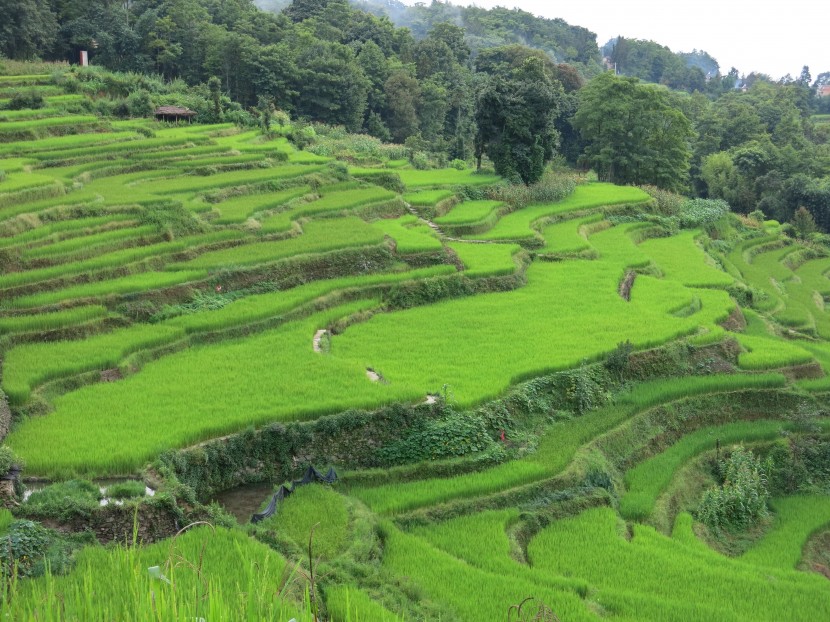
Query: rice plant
[(318, 236), (199, 393), (486, 259), (518, 225), (796, 519), (472, 594), (331, 202), (347, 603), (240, 208), (206, 573), (410, 235), (470, 212), (648, 479), (682, 260), (50, 321), (651, 576), (557, 446), (427, 198), (134, 283), (29, 365), (118, 258)]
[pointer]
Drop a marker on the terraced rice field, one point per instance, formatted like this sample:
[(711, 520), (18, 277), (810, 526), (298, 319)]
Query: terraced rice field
[(195, 265)]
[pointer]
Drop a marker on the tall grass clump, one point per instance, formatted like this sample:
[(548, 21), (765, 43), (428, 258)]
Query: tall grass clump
[(29, 365), (141, 282), (206, 573), (648, 479), (50, 321), (796, 519), (648, 576)]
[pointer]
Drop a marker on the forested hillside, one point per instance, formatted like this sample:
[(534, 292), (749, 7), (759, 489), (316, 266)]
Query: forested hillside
[(453, 85)]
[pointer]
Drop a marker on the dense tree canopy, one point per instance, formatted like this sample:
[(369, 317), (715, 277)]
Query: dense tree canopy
[(515, 116), (633, 133), (459, 82)]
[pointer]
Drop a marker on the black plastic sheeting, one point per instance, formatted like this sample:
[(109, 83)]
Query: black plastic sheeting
[(311, 475)]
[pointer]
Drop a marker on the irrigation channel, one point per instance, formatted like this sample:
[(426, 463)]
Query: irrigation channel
[(244, 501)]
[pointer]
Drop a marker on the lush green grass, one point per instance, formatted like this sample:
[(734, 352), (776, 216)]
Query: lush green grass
[(556, 448), (486, 259), (316, 506), (119, 258), (652, 577), (472, 594), (141, 282), (518, 225), (682, 260), (469, 212), (51, 321), (213, 574), (568, 237), (796, 519), (29, 365), (240, 208), (427, 198), (648, 479), (319, 236), (410, 235), (199, 393)]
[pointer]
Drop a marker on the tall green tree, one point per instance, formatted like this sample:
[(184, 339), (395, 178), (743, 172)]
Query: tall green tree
[(28, 28), (634, 133), (516, 117)]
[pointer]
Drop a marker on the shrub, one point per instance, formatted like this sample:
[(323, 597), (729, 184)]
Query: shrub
[(459, 165), (21, 101), (129, 489), (63, 501), (7, 459), (668, 203), (696, 213), (742, 497), (617, 361), (24, 546), (456, 434)]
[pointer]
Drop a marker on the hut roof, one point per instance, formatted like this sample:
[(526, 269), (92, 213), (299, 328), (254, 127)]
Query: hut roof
[(174, 111)]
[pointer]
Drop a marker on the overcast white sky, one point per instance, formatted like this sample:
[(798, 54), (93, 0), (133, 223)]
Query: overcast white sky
[(773, 38)]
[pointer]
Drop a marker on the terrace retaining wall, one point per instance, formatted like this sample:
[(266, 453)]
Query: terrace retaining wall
[(5, 416), (115, 523)]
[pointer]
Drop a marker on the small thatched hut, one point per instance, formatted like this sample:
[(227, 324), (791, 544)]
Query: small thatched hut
[(173, 113)]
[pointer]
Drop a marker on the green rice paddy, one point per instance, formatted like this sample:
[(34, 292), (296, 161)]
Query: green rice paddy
[(195, 265)]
